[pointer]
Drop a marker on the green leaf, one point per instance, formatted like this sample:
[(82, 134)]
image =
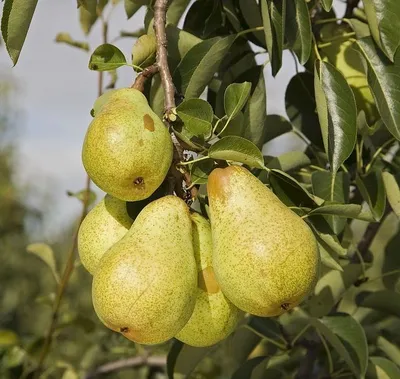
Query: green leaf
[(384, 81), (132, 6), (15, 22), (373, 191), (106, 57), (176, 10), (15, 356), (391, 350), (144, 51), (250, 12), (70, 374), (235, 128), (275, 126), (382, 368), (289, 190), (392, 191), (360, 28), (235, 98), (237, 149), (330, 243), (289, 161), (383, 18), (347, 337), (252, 369), (322, 187), (183, 359), (197, 116), (255, 111), (342, 210), (298, 29), (300, 106), (268, 327), (200, 170), (199, 65), (327, 5), (46, 254), (328, 260), (67, 39), (81, 195), (384, 301), (341, 117), (331, 287), (88, 16)]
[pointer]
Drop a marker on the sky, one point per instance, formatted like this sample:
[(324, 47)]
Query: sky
[(55, 92)]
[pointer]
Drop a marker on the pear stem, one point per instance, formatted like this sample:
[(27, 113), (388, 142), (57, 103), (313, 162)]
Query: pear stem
[(160, 11), (146, 74)]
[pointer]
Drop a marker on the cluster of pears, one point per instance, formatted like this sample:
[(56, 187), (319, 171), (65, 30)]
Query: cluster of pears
[(171, 272)]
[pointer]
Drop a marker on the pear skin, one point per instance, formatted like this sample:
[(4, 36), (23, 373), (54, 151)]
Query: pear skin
[(214, 317), (145, 285), (103, 226), (265, 257), (127, 150)]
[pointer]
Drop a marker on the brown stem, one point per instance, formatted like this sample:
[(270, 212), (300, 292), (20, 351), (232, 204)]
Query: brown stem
[(146, 74), (160, 11), (155, 361)]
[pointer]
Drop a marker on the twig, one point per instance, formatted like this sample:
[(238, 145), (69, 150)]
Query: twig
[(146, 74), (155, 361), (160, 11)]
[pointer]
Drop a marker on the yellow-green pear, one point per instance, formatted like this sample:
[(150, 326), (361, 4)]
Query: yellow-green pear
[(214, 316), (265, 257), (127, 149), (103, 226), (342, 53), (145, 285)]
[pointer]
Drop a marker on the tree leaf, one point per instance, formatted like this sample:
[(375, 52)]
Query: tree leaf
[(384, 81), (289, 161), (88, 16), (382, 368), (67, 39), (384, 301), (372, 190), (237, 149), (250, 12), (252, 369), (70, 374), (341, 114), (175, 11), (197, 116), (15, 22), (391, 350), (330, 243), (144, 51), (132, 6), (46, 254), (13, 357), (275, 126), (106, 57), (322, 187), (235, 98), (328, 260), (268, 327), (8, 338), (392, 191), (383, 18), (183, 359), (342, 210), (347, 337), (298, 29), (255, 111), (327, 5), (81, 195), (199, 171), (199, 65)]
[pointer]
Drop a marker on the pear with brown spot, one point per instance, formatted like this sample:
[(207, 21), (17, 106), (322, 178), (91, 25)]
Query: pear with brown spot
[(145, 284), (214, 317), (127, 149), (265, 256), (103, 226)]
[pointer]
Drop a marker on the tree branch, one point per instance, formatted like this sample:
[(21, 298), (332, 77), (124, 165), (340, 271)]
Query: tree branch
[(155, 361), (160, 11), (146, 74)]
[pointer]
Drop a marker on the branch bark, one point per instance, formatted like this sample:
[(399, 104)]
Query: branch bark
[(151, 361), (160, 17)]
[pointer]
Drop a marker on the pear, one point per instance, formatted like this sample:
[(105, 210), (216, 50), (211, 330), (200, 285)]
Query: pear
[(103, 226), (127, 150), (265, 257), (214, 317), (145, 284)]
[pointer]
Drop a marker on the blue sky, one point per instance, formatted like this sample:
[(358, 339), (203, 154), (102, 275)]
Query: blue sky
[(54, 95)]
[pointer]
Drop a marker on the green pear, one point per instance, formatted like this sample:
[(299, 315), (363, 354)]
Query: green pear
[(103, 226), (214, 316), (265, 257), (145, 284), (127, 150)]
